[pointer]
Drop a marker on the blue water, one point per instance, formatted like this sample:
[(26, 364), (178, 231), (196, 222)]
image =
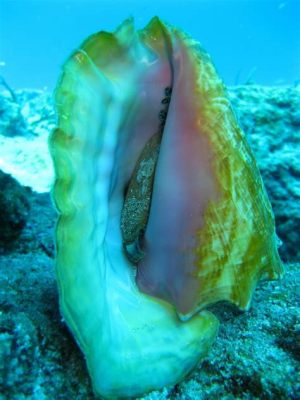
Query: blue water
[(257, 41)]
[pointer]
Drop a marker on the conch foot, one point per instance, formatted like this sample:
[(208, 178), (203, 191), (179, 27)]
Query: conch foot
[(136, 207), (162, 210)]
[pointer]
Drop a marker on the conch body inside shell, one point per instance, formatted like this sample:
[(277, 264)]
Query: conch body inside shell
[(162, 208)]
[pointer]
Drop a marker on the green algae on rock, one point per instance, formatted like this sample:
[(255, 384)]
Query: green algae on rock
[(209, 233)]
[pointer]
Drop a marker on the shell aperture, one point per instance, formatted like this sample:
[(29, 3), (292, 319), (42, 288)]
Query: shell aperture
[(153, 170)]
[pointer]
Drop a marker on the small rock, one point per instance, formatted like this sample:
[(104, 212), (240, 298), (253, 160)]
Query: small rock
[(14, 208)]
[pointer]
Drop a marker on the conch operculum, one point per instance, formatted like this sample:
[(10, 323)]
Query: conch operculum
[(162, 208)]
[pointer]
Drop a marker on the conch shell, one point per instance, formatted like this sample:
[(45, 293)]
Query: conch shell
[(162, 208)]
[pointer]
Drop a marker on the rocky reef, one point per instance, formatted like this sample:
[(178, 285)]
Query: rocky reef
[(270, 117), (14, 206), (256, 354)]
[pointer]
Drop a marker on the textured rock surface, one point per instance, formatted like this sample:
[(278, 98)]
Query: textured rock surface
[(256, 355), (270, 117), (14, 207), (38, 357)]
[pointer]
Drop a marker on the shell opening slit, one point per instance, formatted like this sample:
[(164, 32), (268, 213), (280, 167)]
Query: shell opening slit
[(136, 208)]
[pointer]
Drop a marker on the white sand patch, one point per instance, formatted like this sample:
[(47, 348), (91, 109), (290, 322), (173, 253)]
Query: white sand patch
[(28, 160)]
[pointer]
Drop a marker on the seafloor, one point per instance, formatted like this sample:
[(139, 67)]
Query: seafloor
[(256, 354)]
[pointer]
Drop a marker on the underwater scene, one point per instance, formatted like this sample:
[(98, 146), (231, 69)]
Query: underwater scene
[(149, 199)]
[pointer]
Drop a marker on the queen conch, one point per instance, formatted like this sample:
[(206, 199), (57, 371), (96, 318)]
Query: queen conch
[(162, 210)]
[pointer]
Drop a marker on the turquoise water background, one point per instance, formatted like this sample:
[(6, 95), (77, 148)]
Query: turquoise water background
[(249, 41)]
